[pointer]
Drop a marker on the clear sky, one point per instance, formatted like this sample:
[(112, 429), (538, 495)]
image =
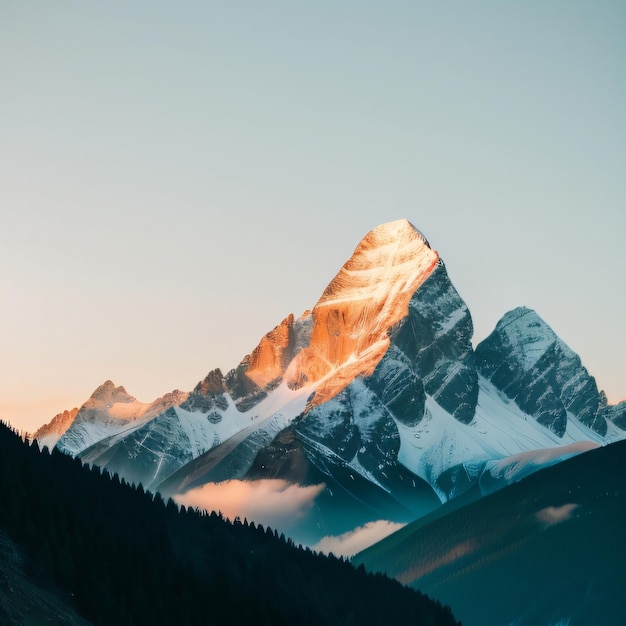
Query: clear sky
[(177, 177)]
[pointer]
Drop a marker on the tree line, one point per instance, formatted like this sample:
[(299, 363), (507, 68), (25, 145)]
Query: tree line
[(125, 556)]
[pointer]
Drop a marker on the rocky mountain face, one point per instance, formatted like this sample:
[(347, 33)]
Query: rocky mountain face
[(531, 365), (615, 413), (50, 433), (108, 410), (436, 337), (348, 331), (357, 429), (375, 393)]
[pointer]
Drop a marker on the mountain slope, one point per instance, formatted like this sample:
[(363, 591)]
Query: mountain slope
[(549, 549), (530, 364), (109, 410), (49, 434), (128, 558), (25, 601)]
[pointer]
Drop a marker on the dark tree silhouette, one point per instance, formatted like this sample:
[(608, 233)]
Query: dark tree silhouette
[(128, 557)]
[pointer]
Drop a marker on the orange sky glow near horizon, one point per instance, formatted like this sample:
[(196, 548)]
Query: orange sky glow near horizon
[(167, 200)]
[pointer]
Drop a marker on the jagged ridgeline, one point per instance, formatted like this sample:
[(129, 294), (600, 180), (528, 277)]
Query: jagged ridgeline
[(376, 393), (123, 556)]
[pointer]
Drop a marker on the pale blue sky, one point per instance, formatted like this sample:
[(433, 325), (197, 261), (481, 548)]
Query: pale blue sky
[(175, 178)]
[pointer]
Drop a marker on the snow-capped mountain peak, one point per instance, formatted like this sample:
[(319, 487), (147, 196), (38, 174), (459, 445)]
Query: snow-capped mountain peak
[(376, 393), (370, 295), (108, 410), (530, 364), (528, 332), (50, 433)]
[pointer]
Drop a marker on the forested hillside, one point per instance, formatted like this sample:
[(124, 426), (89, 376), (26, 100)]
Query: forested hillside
[(126, 557)]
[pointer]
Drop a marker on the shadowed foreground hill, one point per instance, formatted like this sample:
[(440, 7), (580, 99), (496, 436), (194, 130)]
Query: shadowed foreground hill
[(548, 550), (126, 558), (22, 600)]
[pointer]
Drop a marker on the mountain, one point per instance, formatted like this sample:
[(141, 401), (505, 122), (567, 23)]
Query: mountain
[(528, 362), (49, 434), (375, 397), (549, 549), (614, 414), (117, 555), (109, 410)]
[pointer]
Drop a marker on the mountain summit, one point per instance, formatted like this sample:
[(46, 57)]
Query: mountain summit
[(526, 359), (376, 396), (347, 333)]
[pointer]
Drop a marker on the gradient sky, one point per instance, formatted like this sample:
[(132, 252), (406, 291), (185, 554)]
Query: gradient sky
[(175, 178)]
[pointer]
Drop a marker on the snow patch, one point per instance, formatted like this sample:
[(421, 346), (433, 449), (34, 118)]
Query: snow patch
[(498, 432)]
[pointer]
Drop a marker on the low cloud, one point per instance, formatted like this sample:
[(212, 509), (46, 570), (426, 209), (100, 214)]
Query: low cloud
[(556, 514), (358, 539), (275, 503)]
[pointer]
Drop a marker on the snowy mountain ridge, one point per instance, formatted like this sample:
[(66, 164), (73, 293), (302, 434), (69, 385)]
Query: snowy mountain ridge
[(375, 393)]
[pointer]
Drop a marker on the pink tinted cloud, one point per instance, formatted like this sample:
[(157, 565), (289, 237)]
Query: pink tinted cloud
[(269, 502), (358, 539), (556, 514)]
